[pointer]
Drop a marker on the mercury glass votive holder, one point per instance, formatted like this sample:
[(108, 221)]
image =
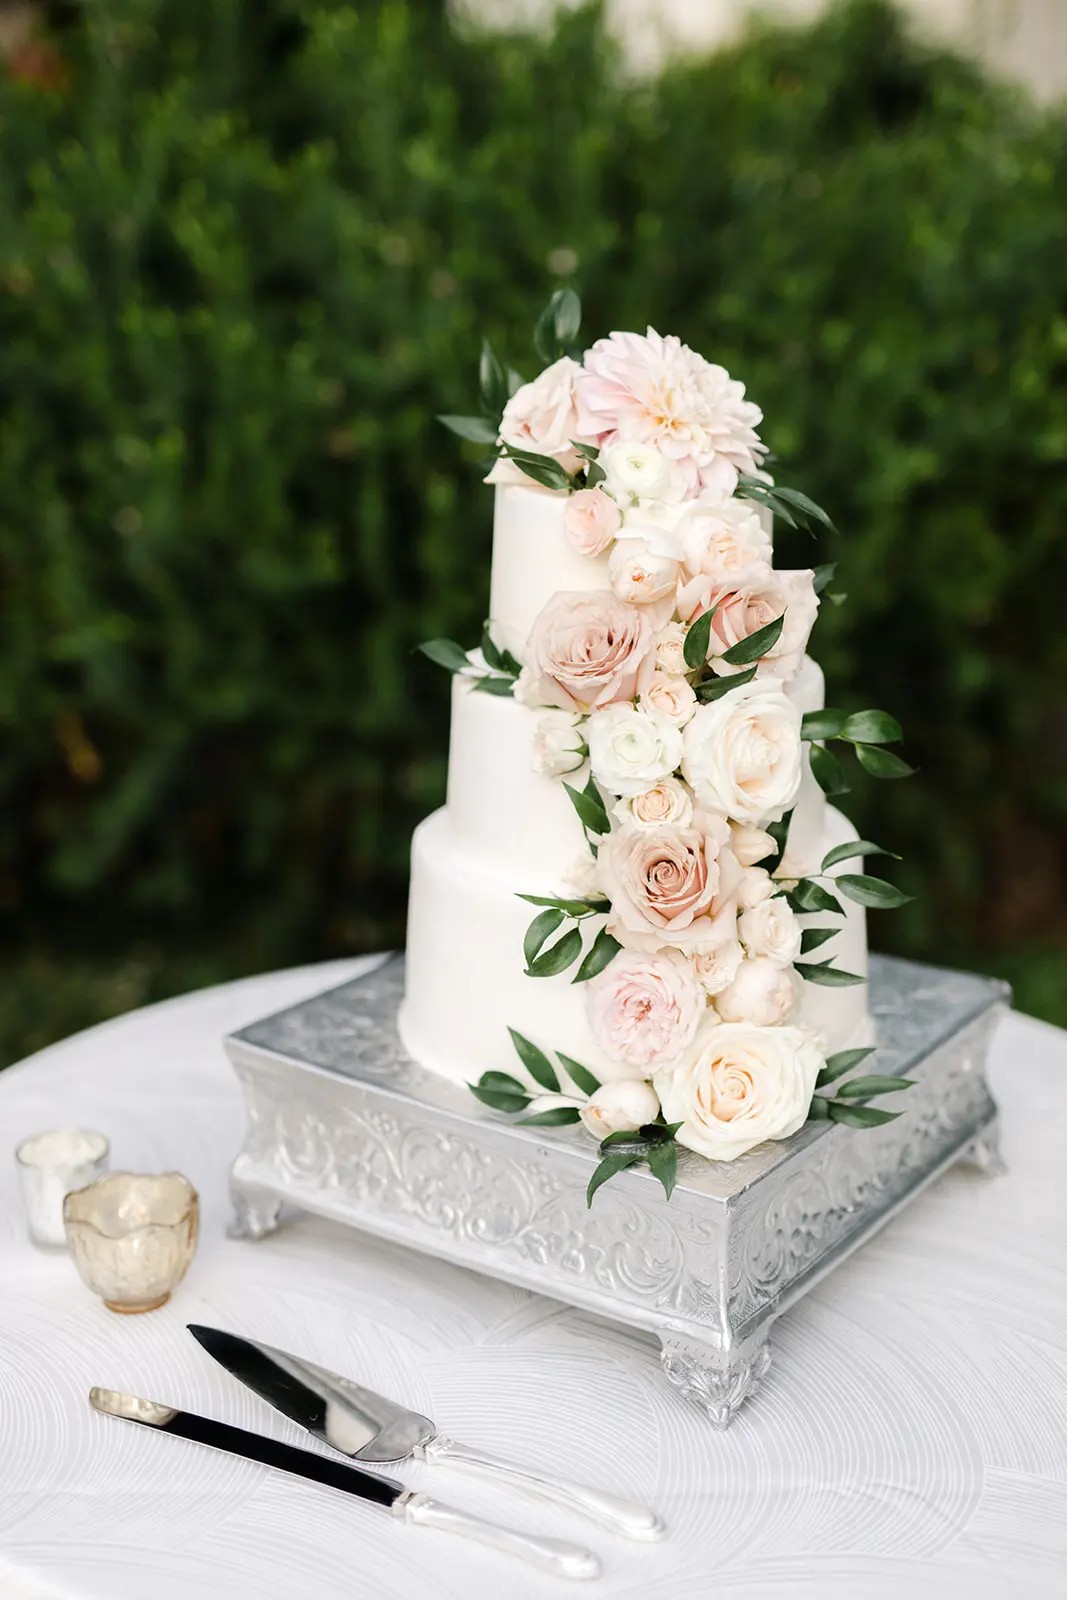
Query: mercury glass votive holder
[(50, 1165), (132, 1236)]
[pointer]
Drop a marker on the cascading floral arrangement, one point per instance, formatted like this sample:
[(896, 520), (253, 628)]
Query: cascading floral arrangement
[(670, 684)]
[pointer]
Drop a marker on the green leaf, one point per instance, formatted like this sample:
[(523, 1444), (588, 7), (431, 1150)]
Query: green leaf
[(605, 948), (802, 503), (479, 430), (589, 451), (608, 1168), (837, 1065), (573, 908), (445, 653), (856, 847), (811, 896), (594, 474), (504, 687), (555, 1117), (578, 1074), (492, 384), (812, 938), (824, 576), (557, 326), (756, 645), (627, 1136), (558, 957), (830, 977), (872, 727), (545, 470), (827, 771), (779, 832), (867, 1088), (656, 1131), (751, 489), (493, 656), (535, 1061), (825, 724), (663, 1159), (866, 891), (499, 1101), (715, 688), (819, 1110), (590, 810), (882, 763), (697, 640), (502, 1083), (540, 929), (860, 1116)]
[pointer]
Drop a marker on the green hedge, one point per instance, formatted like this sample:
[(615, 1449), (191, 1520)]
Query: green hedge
[(245, 255)]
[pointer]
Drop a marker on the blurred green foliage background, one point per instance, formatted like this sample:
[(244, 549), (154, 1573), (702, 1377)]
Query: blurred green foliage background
[(246, 254)]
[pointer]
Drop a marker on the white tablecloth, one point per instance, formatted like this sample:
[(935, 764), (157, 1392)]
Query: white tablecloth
[(911, 1438)]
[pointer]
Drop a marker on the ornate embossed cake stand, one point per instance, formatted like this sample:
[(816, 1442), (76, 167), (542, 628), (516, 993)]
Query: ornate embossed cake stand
[(342, 1122)]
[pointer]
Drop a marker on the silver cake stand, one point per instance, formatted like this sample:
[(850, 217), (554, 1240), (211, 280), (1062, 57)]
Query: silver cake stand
[(342, 1122)]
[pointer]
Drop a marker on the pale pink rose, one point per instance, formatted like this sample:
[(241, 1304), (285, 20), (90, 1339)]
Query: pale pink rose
[(740, 611), (669, 885), (722, 539), (643, 1010), (655, 390), (750, 844), (674, 698), (670, 648), (544, 417), (619, 1107), (586, 649), (762, 992), (640, 576), (666, 801), (715, 966), (591, 520)]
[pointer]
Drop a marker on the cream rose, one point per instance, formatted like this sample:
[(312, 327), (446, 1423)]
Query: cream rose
[(742, 753), (756, 885), (666, 801), (771, 929), (674, 698), (620, 1107), (739, 1085), (669, 885), (545, 416), (591, 520), (586, 649), (762, 992), (670, 650), (639, 575), (750, 844), (644, 1009), (630, 749), (715, 966), (723, 539), (558, 746)]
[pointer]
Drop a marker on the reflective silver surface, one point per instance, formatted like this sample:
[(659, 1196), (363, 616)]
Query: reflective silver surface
[(343, 1123)]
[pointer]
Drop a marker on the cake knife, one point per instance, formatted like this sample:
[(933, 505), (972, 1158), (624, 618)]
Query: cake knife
[(557, 1556), (368, 1427)]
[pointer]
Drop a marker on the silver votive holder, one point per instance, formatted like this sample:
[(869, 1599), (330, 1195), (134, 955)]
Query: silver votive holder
[(132, 1236), (50, 1165)]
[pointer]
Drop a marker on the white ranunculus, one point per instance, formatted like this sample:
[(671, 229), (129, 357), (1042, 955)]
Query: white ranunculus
[(666, 801), (638, 575), (670, 650), (756, 885), (634, 469), (631, 749), (742, 753), (762, 992), (770, 929), (558, 746), (715, 966), (620, 1107), (751, 844), (738, 1085)]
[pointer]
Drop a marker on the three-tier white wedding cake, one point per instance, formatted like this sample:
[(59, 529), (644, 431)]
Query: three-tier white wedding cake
[(637, 882)]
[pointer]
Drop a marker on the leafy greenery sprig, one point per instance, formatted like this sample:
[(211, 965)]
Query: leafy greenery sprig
[(807, 895), (796, 510), (867, 732), (542, 963), (848, 1104), (502, 1092), (653, 1143), (499, 680)]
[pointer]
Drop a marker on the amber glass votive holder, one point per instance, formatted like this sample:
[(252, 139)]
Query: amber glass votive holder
[(132, 1236)]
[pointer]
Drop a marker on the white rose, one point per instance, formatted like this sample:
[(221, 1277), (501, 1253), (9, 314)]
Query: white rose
[(722, 539), (638, 575), (675, 698), (742, 753), (715, 966), (630, 749), (634, 469), (738, 1085), (558, 746), (666, 801), (755, 885), (620, 1107), (750, 844), (527, 689), (545, 416), (670, 650), (762, 992), (771, 929)]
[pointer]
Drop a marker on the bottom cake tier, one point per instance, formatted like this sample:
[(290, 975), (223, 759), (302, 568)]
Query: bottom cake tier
[(466, 984)]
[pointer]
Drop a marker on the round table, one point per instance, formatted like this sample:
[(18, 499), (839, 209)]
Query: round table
[(911, 1437)]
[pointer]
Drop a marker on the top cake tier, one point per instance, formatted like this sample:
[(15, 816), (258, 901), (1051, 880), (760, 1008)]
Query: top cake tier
[(533, 560)]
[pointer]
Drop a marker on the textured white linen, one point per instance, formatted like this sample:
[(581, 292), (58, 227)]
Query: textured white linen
[(911, 1437)]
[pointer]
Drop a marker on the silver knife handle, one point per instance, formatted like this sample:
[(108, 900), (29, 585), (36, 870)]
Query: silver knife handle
[(612, 1511), (563, 1560)]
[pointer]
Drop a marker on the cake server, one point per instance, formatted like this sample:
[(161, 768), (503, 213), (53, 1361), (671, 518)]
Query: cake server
[(367, 1427), (557, 1556)]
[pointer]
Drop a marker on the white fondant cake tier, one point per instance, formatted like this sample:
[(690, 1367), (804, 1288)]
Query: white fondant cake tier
[(465, 980)]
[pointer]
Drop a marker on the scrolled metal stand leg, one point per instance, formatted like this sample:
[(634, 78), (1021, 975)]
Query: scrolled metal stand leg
[(718, 1384), (255, 1210)]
